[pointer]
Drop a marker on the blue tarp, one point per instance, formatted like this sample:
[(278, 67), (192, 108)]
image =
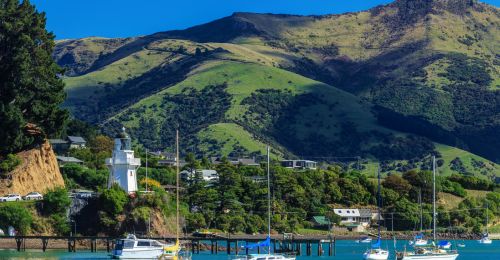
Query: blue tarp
[(377, 244), (419, 236), (443, 243), (264, 243)]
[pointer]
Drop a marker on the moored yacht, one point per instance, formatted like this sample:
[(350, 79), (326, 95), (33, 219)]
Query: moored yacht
[(266, 243), (434, 251), (376, 252), (133, 248), (485, 239)]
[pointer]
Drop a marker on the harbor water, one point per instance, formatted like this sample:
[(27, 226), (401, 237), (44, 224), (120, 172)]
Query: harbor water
[(345, 249)]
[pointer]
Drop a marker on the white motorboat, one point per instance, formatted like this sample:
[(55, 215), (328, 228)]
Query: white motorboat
[(419, 242), (364, 240), (133, 248)]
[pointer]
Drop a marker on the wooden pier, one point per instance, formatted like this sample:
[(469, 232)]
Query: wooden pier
[(196, 244)]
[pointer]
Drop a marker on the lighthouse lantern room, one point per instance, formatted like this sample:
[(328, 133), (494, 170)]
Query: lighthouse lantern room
[(123, 166)]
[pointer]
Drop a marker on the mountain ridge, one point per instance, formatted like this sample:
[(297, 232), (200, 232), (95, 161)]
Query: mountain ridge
[(429, 79)]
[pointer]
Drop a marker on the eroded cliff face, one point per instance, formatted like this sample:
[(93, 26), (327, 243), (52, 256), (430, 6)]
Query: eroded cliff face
[(38, 172)]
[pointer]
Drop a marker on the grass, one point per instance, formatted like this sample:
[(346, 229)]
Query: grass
[(230, 135)]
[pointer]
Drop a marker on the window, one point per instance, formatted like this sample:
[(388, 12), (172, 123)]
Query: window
[(129, 244), (143, 243), (348, 211)]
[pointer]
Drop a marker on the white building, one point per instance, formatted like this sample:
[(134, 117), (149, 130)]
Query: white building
[(207, 175), (299, 164), (123, 165)]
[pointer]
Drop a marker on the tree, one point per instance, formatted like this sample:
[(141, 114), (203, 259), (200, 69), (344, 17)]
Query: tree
[(113, 200), (16, 216), (56, 201), (31, 89), (398, 184), (101, 144)]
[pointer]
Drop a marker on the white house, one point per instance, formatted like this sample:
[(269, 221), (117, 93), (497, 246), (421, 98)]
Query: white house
[(207, 175), (123, 165), (299, 164)]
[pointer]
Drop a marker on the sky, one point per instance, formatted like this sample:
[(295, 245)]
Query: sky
[(124, 18)]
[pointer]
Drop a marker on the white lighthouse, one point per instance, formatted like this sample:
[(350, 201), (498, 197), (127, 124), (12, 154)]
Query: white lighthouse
[(123, 166)]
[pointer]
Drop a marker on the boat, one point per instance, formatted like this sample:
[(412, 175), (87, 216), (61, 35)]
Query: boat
[(266, 243), (264, 257), (461, 245), (486, 239), (444, 244), (133, 248), (433, 251), (376, 252), (173, 250), (364, 240), (419, 240)]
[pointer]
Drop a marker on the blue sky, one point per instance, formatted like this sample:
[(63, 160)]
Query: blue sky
[(122, 18)]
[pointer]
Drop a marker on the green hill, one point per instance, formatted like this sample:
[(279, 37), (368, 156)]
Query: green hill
[(394, 83)]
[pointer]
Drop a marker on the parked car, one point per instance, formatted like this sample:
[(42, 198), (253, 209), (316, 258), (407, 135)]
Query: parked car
[(33, 196), (11, 197)]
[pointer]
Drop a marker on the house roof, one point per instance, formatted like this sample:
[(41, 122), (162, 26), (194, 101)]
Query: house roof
[(68, 159), (58, 141), (347, 212), (76, 139), (322, 220), (365, 213)]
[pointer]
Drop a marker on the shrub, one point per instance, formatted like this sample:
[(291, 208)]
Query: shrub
[(113, 200), (56, 201), (10, 162), (16, 216)]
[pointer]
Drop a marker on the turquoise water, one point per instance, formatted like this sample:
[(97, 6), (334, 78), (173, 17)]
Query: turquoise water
[(345, 250)]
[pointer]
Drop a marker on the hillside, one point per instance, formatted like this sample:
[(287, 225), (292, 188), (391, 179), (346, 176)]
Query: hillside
[(384, 84), (38, 172)]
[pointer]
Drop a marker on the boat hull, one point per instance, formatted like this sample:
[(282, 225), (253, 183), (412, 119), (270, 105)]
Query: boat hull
[(138, 253), (375, 256), (429, 257)]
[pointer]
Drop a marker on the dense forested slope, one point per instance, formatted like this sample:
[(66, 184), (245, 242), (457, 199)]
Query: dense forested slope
[(388, 83)]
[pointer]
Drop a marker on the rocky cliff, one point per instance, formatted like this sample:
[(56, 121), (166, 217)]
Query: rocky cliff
[(38, 172)]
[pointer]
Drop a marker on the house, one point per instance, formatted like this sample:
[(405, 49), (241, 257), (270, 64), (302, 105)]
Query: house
[(76, 142), (62, 160), (236, 161), (258, 179), (347, 216), (321, 222), (61, 146), (299, 164), (207, 175)]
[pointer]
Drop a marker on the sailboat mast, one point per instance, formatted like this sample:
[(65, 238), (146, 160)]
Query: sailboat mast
[(177, 180), (486, 217), (421, 208), (378, 200), (268, 199), (434, 198)]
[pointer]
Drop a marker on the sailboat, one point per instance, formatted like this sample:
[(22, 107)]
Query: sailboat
[(485, 239), (267, 242), (376, 252), (419, 239), (434, 252), (174, 249)]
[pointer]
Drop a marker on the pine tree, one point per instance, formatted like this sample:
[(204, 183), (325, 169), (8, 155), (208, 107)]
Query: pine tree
[(31, 90)]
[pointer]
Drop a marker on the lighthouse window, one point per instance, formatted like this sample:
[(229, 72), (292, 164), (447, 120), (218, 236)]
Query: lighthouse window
[(131, 173)]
